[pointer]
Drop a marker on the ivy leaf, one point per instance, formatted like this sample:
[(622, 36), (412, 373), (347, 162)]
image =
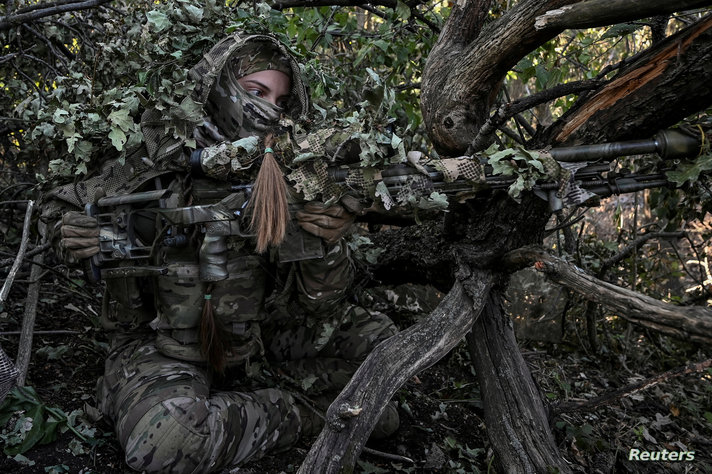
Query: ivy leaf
[(374, 75), (60, 116), (117, 137), (195, 13), (82, 150), (402, 11), (516, 188), (121, 119), (690, 171), (307, 382), (159, 20), (436, 200), (500, 163)]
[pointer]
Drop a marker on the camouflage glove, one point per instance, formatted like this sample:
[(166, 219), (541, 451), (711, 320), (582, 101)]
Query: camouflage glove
[(330, 223), (80, 236)]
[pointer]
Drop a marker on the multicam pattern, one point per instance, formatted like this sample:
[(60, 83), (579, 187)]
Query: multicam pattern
[(169, 414), (168, 420)]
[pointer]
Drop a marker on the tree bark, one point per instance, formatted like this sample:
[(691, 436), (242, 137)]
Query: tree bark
[(515, 416), (464, 70), (689, 323), (352, 416), (594, 13), (662, 86)]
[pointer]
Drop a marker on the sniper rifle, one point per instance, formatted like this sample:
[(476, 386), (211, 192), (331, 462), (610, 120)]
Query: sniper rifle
[(120, 244)]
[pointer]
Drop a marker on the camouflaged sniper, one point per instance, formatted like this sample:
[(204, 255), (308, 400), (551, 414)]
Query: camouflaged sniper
[(156, 387)]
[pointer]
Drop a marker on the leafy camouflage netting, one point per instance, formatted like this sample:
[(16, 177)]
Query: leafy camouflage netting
[(8, 374)]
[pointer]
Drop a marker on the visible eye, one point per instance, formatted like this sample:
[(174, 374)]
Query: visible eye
[(257, 92)]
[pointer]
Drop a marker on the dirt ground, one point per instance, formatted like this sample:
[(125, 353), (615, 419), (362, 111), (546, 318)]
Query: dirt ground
[(442, 427)]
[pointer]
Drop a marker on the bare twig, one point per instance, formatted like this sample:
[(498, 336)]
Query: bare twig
[(24, 351), (633, 246), (38, 5), (511, 109), (30, 253), (20, 253), (58, 332), (324, 29), (633, 388), (51, 9), (389, 456)]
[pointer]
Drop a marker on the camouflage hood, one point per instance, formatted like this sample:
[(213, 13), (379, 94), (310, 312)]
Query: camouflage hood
[(231, 112)]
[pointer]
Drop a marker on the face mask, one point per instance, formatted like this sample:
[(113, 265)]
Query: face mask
[(234, 113)]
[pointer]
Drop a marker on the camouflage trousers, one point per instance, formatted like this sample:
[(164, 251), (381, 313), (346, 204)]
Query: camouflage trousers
[(168, 418)]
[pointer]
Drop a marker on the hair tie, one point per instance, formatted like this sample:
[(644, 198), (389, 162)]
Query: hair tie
[(207, 297), (269, 150)]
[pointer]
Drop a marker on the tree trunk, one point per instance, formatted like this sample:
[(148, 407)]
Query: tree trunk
[(464, 70), (689, 323), (515, 416), (352, 416)]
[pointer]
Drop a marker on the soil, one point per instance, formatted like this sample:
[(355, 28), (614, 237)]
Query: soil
[(442, 427)]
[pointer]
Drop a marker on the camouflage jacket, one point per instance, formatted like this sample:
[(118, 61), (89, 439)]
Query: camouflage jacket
[(169, 299)]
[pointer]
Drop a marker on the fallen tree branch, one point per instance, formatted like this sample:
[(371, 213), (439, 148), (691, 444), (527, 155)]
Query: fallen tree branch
[(594, 13), (20, 253), (689, 323), (633, 388), (352, 416)]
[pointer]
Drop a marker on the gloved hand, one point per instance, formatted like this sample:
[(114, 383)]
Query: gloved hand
[(330, 223), (80, 235)]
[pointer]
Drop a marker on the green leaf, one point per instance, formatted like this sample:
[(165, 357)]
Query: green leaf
[(374, 75), (621, 29), (402, 10), (436, 201), (690, 171), (20, 459), (117, 137), (194, 13), (60, 116), (159, 20), (308, 382), (121, 119), (33, 436)]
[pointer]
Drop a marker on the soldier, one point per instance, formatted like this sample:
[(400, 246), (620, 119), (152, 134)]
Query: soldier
[(189, 332)]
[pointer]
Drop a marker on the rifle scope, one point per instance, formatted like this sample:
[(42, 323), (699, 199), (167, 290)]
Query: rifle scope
[(668, 144)]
